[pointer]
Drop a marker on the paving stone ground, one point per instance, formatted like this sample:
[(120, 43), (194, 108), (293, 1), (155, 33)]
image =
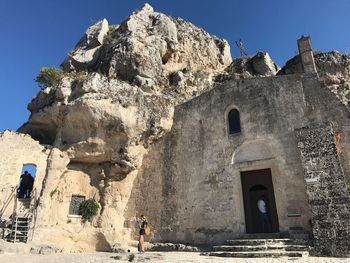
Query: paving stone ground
[(153, 257)]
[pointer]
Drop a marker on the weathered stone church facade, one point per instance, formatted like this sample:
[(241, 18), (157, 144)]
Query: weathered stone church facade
[(162, 122)]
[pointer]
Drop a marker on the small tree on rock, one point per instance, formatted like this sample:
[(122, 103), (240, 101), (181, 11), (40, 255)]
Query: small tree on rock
[(49, 76)]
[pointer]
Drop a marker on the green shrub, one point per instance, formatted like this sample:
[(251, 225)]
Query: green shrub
[(49, 77), (348, 186), (88, 209)]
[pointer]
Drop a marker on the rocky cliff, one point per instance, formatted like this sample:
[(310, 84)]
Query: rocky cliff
[(333, 69), (150, 50), (259, 65), (117, 98), (118, 95), (129, 78)]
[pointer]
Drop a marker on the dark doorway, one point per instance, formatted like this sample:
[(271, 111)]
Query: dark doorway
[(26, 181), (257, 185)]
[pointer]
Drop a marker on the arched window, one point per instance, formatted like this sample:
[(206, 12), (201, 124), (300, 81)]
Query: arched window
[(234, 122)]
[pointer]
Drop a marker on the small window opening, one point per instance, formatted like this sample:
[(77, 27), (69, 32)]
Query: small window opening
[(26, 181), (234, 122), (75, 203)]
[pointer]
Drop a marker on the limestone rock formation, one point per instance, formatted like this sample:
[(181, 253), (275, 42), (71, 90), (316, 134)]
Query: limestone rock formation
[(116, 101), (135, 74), (263, 64), (332, 67), (86, 51), (147, 48), (259, 65), (101, 120), (118, 96)]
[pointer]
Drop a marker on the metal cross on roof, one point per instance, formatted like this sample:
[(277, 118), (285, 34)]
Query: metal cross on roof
[(241, 48)]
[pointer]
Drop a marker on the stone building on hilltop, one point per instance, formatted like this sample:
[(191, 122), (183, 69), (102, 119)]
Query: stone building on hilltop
[(154, 117)]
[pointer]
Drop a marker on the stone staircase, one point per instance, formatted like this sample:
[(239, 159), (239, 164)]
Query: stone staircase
[(262, 245)]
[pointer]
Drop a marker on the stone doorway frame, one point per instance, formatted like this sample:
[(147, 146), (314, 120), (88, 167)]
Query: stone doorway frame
[(250, 179)]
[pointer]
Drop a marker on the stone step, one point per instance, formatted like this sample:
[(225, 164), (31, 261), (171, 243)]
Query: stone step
[(261, 254), (261, 236), (300, 235), (24, 200), (261, 248), (18, 239), (278, 241)]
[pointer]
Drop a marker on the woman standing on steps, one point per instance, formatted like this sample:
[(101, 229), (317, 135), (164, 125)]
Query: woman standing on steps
[(143, 225)]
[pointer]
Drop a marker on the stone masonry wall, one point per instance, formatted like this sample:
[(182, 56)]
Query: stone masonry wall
[(326, 190), (16, 150), (191, 184)]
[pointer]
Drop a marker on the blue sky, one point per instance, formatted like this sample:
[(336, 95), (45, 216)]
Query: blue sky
[(40, 33)]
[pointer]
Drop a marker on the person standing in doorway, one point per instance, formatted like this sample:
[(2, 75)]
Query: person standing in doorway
[(26, 182), (143, 224), (30, 186), (264, 215)]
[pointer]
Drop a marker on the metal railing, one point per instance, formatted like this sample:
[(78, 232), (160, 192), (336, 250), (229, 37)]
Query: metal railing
[(8, 201), (29, 209), (33, 211)]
